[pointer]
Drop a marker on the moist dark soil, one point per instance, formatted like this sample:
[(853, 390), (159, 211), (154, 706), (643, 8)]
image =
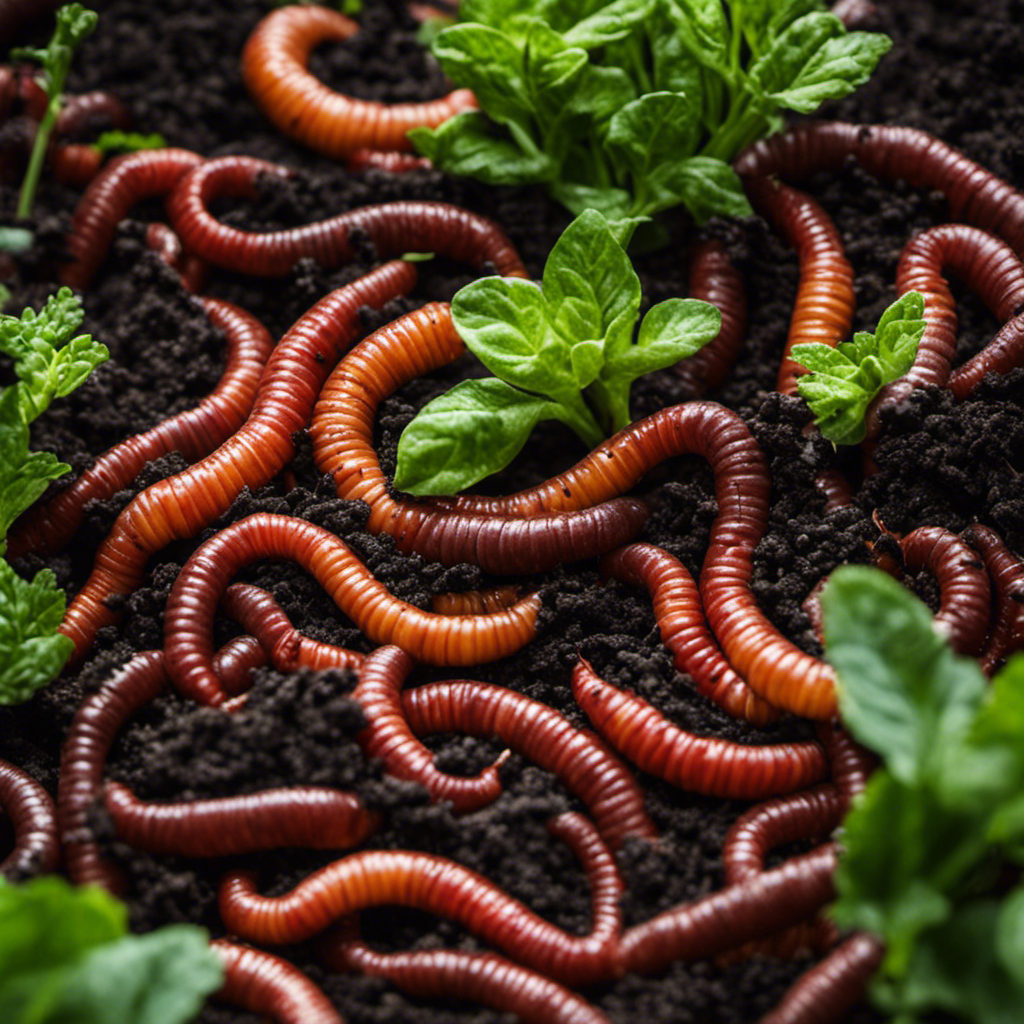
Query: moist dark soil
[(954, 70)]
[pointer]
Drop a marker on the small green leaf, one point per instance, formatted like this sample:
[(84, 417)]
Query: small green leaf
[(470, 432), (612, 22), (128, 142), (587, 360), (614, 204), (1010, 935), (16, 240), (671, 330), (902, 690), (706, 186), (702, 26)]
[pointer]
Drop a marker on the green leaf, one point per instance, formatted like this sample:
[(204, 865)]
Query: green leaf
[(901, 688), (589, 284), (128, 142), (469, 145), (1010, 935), (702, 26), (614, 204), (612, 22), (470, 432), (32, 653), (505, 323), (658, 128), (706, 186), (15, 240)]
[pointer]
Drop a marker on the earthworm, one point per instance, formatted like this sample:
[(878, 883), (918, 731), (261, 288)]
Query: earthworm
[(393, 228), (490, 599), (484, 978), (714, 279), (267, 985), (584, 764), (32, 815), (823, 994), (891, 152), (274, 69), (195, 433), (854, 13), (850, 764), (433, 639), (388, 736), (88, 741), (260, 615), (85, 111), (699, 764), (965, 601), (730, 917), (683, 629), (75, 163), (983, 262), (309, 816), (125, 181), (390, 160), (1007, 574), (167, 245), (235, 661), (182, 505), (342, 435), (825, 300), (812, 812), (1002, 354), (434, 884)]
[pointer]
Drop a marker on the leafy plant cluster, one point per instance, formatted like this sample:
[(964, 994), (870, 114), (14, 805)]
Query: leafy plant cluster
[(634, 106), (562, 350), (934, 846), (844, 380), (66, 958), (49, 362)]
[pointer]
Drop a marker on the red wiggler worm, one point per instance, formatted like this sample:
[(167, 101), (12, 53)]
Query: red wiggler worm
[(1006, 571), (828, 990), (287, 649), (684, 630), (489, 599), (167, 245), (433, 639), (32, 815), (235, 661), (484, 978), (86, 111), (391, 160), (1002, 354), (74, 163), (850, 764), (581, 761), (342, 435), (274, 69), (714, 279), (440, 886), (731, 917), (825, 300), (307, 816), (195, 433), (891, 152), (699, 764), (181, 506), (266, 984), (388, 736), (124, 182), (393, 228), (812, 813)]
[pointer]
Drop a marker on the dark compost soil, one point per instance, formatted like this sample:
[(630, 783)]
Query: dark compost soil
[(955, 70)]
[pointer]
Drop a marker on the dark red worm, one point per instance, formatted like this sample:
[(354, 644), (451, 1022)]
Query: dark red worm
[(1006, 571), (390, 160), (124, 182), (850, 764), (86, 112), (267, 985), (489, 599), (810, 814), (32, 815), (684, 630), (388, 736), (235, 662), (965, 592), (584, 764), (393, 228), (342, 434), (828, 990), (1002, 354), (854, 13), (181, 506), (699, 764), (983, 262), (274, 69), (309, 816), (483, 978), (433, 639), (440, 886), (825, 299), (167, 245), (286, 648), (714, 279), (892, 152), (195, 433), (731, 917)]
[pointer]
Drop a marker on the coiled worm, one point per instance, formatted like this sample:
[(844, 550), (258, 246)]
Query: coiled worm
[(32, 815)]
